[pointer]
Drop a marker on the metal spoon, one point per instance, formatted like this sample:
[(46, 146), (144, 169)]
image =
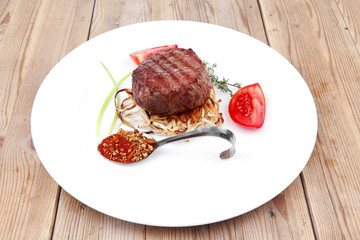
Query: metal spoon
[(141, 148), (209, 131)]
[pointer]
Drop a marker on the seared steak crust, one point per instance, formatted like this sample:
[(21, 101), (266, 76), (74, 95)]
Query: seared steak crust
[(170, 82)]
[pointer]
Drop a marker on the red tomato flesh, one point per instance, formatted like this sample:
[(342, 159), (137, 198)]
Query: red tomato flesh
[(247, 106), (139, 56)]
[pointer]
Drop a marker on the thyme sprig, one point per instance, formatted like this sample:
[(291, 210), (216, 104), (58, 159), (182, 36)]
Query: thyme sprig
[(222, 84)]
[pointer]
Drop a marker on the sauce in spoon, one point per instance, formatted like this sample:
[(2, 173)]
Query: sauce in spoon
[(126, 146)]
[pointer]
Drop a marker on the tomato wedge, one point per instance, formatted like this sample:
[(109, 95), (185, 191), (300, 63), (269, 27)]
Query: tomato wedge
[(139, 56), (247, 106)]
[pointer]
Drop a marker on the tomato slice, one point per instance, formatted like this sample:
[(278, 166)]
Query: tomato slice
[(139, 56), (247, 106)]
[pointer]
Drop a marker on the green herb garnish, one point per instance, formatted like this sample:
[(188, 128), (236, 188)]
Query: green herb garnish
[(117, 99), (222, 84), (108, 98)]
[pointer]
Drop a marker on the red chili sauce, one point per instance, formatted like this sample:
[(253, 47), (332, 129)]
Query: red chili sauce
[(126, 146)]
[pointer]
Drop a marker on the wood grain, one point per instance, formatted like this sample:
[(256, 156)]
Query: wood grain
[(197, 10), (282, 216), (28, 195), (285, 217), (6, 11), (75, 220), (311, 35), (110, 14), (167, 10), (350, 13), (11, 63), (180, 233), (319, 37)]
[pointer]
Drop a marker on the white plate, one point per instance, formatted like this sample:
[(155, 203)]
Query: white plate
[(183, 183)]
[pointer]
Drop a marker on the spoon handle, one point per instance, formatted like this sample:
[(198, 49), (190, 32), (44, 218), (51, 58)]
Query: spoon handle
[(209, 131)]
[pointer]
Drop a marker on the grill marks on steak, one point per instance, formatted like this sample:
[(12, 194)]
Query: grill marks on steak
[(170, 82)]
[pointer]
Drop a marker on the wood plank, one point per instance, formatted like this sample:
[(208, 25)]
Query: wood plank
[(350, 12), (256, 26), (233, 14), (74, 219), (15, 37), (243, 16), (283, 218), (110, 14), (199, 10), (28, 196), (311, 35), (188, 233), (6, 11), (167, 10)]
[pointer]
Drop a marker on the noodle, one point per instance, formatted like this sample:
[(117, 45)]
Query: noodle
[(206, 115)]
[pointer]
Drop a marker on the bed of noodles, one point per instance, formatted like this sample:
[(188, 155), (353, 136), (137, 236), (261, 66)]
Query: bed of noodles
[(137, 118)]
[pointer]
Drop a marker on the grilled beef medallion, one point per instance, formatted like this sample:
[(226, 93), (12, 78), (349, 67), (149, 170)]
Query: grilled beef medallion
[(170, 82)]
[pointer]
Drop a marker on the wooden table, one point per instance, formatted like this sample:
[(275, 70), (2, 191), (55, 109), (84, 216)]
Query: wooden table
[(321, 38)]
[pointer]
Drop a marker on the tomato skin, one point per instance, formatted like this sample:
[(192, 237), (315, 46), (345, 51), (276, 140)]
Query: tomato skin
[(247, 106), (139, 56)]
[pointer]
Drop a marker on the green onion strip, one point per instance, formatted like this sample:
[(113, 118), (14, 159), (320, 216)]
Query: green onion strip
[(117, 99), (108, 98)]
